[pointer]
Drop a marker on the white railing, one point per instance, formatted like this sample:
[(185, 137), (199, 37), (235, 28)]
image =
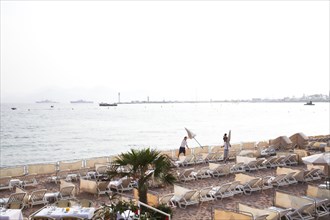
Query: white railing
[(154, 209)]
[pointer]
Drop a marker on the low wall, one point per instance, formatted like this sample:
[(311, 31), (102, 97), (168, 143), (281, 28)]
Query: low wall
[(12, 171)]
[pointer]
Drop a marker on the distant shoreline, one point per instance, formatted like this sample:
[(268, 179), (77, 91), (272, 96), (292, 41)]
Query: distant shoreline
[(183, 102), (220, 101)]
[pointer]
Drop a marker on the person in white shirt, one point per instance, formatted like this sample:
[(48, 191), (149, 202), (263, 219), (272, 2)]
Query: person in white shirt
[(183, 146)]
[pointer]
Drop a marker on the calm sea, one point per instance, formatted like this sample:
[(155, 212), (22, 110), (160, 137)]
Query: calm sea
[(35, 133)]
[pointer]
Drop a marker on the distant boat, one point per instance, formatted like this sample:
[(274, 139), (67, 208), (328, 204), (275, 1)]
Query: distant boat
[(309, 103), (107, 104), (13, 108), (80, 101), (45, 101)]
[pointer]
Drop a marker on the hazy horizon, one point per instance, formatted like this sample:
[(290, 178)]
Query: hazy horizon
[(145, 99), (164, 50)]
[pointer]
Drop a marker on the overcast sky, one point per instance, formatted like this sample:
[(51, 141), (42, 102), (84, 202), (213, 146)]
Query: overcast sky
[(172, 50)]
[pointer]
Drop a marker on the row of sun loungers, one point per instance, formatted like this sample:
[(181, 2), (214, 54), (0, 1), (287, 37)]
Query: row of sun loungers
[(100, 171), (294, 207), (68, 175), (285, 205), (217, 170), (243, 184), (21, 199), (270, 162), (66, 192), (23, 181), (199, 159), (192, 197)]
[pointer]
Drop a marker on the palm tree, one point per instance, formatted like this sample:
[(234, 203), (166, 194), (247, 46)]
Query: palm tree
[(140, 162)]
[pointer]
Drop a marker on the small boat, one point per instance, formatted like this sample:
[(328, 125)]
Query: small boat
[(309, 103), (13, 108), (80, 101), (107, 104)]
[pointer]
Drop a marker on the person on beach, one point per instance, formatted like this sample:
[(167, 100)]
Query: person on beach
[(226, 147), (183, 146)]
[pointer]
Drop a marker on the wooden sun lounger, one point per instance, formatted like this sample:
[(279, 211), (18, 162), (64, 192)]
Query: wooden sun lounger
[(202, 173), (265, 182), (186, 175), (124, 184), (188, 160), (29, 180), (103, 188), (311, 175), (296, 207), (234, 188), (238, 167), (291, 160), (185, 199), (251, 166), (60, 175), (250, 186), (220, 170), (261, 163), (219, 156), (101, 171), (290, 178), (210, 157), (279, 180), (270, 162), (66, 192), (279, 162), (301, 213), (321, 206), (167, 200), (37, 198), (205, 194), (221, 191), (198, 159), (14, 197)]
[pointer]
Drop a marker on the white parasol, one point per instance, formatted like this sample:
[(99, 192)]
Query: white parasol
[(191, 135), (319, 159)]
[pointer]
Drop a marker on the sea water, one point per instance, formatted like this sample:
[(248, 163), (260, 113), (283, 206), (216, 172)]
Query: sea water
[(36, 133)]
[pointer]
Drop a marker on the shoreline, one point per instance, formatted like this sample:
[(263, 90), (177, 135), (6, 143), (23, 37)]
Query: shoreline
[(209, 148)]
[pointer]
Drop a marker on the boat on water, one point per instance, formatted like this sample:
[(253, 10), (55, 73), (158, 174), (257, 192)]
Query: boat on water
[(309, 103), (45, 101), (107, 104), (80, 101)]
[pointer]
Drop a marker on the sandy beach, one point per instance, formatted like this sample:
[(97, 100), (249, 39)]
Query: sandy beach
[(261, 199)]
